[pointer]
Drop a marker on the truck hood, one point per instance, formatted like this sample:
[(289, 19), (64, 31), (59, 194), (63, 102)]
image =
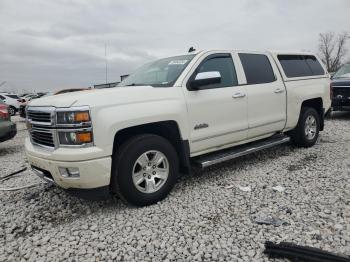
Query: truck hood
[(341, 82), (105, 97)]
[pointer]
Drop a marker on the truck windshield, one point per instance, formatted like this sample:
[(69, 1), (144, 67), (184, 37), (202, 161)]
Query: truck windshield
[(161, 73), (343, 72)]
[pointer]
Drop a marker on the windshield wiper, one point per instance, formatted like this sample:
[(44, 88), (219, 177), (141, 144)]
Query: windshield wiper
[(134, 84)]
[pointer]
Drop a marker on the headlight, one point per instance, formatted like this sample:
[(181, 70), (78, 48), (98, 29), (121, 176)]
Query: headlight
[(74, 127), (66, 117), (75, 137)]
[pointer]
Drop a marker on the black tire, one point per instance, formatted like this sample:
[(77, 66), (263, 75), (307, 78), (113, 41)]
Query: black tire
[(298, 135), (12, 110), (123, 166)]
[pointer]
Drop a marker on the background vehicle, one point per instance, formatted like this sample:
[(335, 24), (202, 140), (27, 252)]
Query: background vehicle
[(22, 107), (341, 89), (64, 91), (7, 128), (197, 109), (12, 100)]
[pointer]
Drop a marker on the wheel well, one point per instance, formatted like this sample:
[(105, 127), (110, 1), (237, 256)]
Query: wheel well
[(167, 129), (317, 104)]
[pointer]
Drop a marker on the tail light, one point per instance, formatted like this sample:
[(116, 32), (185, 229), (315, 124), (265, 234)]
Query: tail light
[(4, 113), (331, 91)]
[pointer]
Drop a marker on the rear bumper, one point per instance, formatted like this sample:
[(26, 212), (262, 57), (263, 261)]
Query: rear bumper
[(10, 131)]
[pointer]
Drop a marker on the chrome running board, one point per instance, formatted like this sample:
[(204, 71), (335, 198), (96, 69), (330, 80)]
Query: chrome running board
[(231, 153)]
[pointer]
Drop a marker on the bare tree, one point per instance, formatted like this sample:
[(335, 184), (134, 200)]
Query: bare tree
[(332, 49)]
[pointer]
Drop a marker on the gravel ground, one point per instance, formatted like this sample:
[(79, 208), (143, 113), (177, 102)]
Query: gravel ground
[(207, 217)]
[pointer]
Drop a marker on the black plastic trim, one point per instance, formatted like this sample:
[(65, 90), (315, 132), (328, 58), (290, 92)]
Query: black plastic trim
[(185, 164)]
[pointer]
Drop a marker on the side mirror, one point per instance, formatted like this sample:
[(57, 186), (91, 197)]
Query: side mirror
[(205, 78)]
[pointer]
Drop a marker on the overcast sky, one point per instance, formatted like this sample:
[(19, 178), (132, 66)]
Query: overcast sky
[(50, 45)]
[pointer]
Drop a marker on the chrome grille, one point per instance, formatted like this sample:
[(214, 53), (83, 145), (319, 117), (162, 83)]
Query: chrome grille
[(345, 92), (42, 138), (37, 116), (41, 126)]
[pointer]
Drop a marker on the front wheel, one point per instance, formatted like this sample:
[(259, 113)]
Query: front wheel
[(145, 169), (308, 128)]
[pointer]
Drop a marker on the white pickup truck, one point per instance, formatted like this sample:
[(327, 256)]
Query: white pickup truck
[(196, 109)]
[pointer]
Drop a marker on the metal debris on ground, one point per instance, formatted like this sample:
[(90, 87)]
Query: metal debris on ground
[(270, 220), (295, 252), (245, 188), (12, 175), (278, 188)]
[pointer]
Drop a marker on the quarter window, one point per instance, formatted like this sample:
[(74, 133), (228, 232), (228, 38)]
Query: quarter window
[(257, 69), (300, 65), (223, 64), (314, 65)]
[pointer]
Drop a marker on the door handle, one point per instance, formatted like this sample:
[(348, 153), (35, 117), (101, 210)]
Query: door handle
[(238, 95), (278, 90)]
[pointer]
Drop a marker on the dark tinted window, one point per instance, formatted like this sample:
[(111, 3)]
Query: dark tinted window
[(222, 64), (257, 68), (314, 65), (299, 65), (1, 97), (13, 96)]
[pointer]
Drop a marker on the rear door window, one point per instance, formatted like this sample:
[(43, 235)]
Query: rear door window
[(257, 68), (300, 65)]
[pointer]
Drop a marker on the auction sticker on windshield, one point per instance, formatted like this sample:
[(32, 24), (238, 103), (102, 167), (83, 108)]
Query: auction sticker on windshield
[(177, 62)]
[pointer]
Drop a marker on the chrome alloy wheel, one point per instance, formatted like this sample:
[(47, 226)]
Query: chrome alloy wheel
[(310, 127), (150, 171)]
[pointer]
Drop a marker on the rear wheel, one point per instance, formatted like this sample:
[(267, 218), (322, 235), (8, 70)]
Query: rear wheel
[(145, 169), (308, 128)]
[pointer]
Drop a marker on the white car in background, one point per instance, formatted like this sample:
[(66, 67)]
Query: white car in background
[(12, 100)]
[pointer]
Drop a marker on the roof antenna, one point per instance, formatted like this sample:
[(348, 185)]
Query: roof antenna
[(106, 61), (191, 49)]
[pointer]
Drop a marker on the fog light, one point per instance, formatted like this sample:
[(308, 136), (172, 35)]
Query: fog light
[(69, 172)]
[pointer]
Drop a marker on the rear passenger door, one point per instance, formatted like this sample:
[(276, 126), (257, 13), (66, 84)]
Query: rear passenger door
[(266, 94)]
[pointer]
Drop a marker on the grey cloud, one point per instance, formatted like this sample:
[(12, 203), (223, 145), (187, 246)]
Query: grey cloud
[(46, 45)]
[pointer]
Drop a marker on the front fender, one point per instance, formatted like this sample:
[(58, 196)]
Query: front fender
[(107, 121)]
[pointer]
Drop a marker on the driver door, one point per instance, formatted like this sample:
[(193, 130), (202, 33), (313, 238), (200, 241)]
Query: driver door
[(217, 112)]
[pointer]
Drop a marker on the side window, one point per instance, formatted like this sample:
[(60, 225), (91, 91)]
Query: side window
[(300, 65), (257, 69), (314, 65), (2, 98), (223, 64)]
